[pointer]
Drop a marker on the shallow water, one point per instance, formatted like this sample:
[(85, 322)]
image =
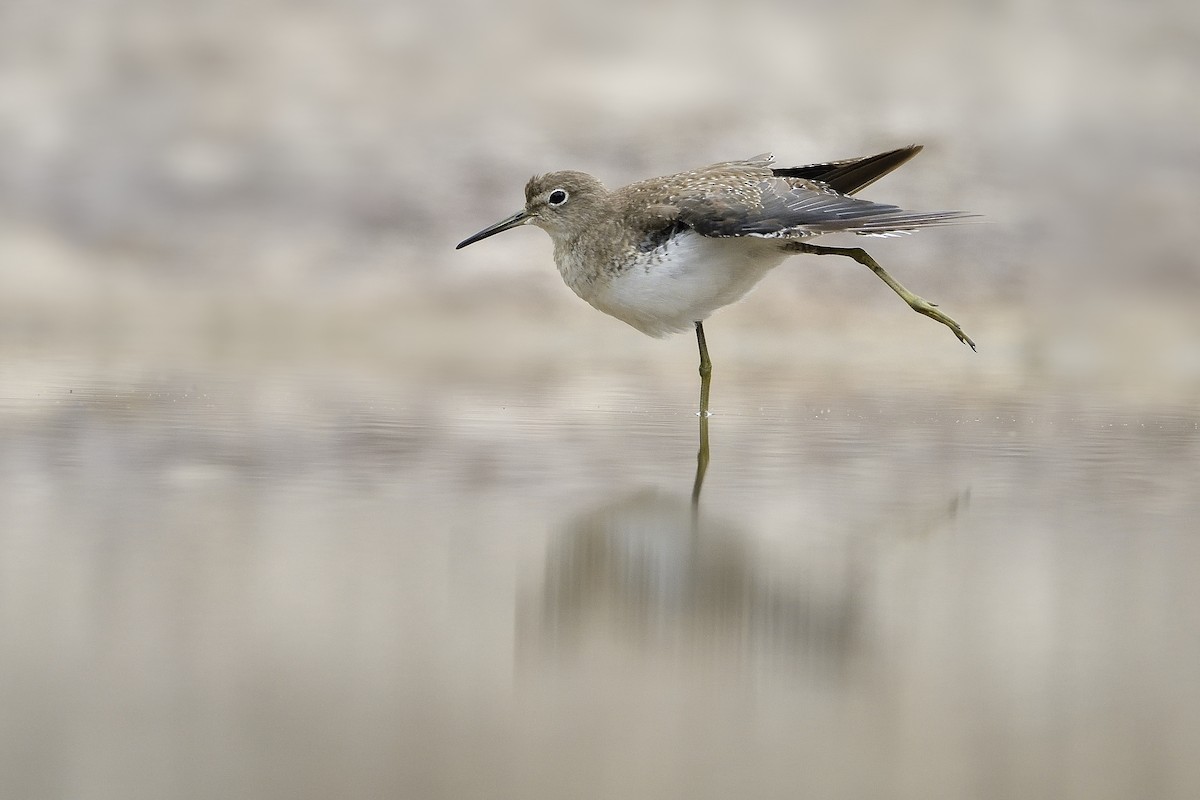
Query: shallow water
[(319, 580)]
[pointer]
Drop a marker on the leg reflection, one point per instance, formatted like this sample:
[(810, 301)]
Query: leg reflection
[(702, 455), (701, 465)]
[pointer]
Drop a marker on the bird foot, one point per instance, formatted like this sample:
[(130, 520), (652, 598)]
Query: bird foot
[(923, 306)]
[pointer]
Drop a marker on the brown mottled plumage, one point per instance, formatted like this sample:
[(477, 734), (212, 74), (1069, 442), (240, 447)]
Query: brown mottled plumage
[(664, 253)]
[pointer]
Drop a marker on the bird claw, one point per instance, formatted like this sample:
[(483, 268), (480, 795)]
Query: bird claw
[(962, 336), (923, 306)]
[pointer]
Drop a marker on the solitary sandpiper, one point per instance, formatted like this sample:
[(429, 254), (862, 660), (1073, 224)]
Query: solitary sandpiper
[(664, 253)]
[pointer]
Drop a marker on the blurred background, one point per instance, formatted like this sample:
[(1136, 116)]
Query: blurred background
[(295, 500)]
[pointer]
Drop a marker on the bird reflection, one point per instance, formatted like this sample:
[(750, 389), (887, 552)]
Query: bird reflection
[(648, 569)]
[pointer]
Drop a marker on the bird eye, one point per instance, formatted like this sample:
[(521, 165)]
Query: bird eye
[(557, 197)]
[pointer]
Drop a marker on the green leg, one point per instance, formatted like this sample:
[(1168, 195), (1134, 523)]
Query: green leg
[(918, 304), (705, 370), (705, 380)]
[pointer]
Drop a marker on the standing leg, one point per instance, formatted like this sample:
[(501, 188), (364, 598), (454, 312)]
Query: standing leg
[(705, 370), (918, 304), (702, 455)]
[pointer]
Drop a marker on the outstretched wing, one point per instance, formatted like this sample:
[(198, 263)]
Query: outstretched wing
[(794, 208), (753, 198)]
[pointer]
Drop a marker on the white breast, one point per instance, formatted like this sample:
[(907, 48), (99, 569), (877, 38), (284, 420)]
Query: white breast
[(670, 288)]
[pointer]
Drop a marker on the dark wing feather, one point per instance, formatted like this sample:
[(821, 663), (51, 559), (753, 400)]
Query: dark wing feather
[(795, 208), (851, 174)]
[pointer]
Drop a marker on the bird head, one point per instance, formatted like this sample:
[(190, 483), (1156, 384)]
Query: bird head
[(561, 203)]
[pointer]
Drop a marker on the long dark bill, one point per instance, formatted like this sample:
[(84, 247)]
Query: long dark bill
[(503, 225)]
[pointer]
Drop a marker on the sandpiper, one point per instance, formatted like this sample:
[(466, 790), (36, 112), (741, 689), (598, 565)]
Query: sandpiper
[(664, 253)]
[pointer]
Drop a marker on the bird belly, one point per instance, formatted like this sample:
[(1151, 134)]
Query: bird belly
[(668, 289)]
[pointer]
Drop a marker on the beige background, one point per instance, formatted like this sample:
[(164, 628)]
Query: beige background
[(297, 501)]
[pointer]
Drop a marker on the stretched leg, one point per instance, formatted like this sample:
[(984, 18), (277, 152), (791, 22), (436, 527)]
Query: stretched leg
[(918, 304), (705, 379)]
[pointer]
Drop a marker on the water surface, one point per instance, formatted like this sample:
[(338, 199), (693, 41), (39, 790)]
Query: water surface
[(314, 579)]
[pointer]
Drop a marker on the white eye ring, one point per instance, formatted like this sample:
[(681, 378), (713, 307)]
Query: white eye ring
[(557, 197)]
